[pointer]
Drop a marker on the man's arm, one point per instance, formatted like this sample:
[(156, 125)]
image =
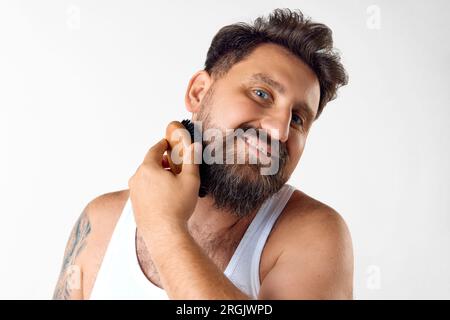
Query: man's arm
[(70, 282), (186, 272), (314, 261), (87, 245), (317, 261)]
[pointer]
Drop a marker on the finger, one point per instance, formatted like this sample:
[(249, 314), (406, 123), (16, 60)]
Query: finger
[(155, 154), (177, 133), (191, 159), (165, 162)]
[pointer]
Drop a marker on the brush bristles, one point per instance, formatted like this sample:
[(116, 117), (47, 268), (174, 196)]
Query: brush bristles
[(189, 127)]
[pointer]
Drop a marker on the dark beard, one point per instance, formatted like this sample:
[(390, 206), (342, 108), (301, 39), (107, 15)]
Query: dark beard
[(241, 188)]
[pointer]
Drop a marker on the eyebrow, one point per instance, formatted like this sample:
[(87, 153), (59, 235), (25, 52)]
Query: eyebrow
[(263, 77), (301, 106)]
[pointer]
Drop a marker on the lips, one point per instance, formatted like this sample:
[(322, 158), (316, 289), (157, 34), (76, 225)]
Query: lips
[(258, 144), (261, 147)]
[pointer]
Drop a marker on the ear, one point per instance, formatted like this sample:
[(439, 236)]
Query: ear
[(197, 88)]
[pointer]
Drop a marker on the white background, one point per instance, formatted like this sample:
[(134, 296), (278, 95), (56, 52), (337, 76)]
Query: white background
[(87, 86)]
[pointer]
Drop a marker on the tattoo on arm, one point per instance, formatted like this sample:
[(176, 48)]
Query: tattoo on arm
[(70, 276)]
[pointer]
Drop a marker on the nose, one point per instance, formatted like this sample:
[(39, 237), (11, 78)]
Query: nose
[(277, 124)]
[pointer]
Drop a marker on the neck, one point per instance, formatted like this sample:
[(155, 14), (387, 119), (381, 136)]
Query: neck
[(211, 222)]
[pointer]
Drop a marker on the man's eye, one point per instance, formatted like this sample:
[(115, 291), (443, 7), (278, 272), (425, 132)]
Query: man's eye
[(262, 94), (296, 119)]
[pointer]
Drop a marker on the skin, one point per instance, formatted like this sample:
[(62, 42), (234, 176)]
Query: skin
[(308, 254)]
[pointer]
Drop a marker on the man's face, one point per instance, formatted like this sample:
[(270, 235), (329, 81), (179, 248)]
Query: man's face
[(270, 90)]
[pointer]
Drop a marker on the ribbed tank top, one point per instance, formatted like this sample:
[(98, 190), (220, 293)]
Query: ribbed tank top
[(120, 275)]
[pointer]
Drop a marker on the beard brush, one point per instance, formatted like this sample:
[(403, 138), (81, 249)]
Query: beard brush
[(176, 168)]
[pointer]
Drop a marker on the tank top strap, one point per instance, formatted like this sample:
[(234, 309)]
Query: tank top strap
[(243, 268)]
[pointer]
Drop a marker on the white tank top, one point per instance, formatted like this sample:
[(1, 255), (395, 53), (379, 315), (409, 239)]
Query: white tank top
[(121, 277)]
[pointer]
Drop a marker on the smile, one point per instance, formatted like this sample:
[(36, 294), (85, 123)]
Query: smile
[(257, 144)]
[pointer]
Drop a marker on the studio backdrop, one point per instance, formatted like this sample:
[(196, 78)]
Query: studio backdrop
[(86, 87)]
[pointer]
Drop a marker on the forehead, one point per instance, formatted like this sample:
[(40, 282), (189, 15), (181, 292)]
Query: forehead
[(279, 64)]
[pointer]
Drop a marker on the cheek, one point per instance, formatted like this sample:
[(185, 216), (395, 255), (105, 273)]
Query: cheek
[(232, 113), (295, 146)]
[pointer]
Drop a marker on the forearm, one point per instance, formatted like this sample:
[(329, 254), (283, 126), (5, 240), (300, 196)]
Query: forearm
[(186, 272)]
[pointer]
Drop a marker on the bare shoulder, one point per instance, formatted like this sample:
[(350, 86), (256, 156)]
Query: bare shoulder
[(87, 245), (309, 217), (107, 207), (312, 243), (103, 213)]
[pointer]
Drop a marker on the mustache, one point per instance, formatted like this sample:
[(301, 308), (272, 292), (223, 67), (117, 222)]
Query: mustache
[(269, 140)]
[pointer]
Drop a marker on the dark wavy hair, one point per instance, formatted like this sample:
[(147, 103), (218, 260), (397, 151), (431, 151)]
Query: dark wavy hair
[(310, 41)]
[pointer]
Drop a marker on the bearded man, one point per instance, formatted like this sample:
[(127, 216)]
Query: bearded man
[(250, 235)]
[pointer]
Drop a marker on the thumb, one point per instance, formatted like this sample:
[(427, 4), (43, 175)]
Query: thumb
[(156, 152)]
